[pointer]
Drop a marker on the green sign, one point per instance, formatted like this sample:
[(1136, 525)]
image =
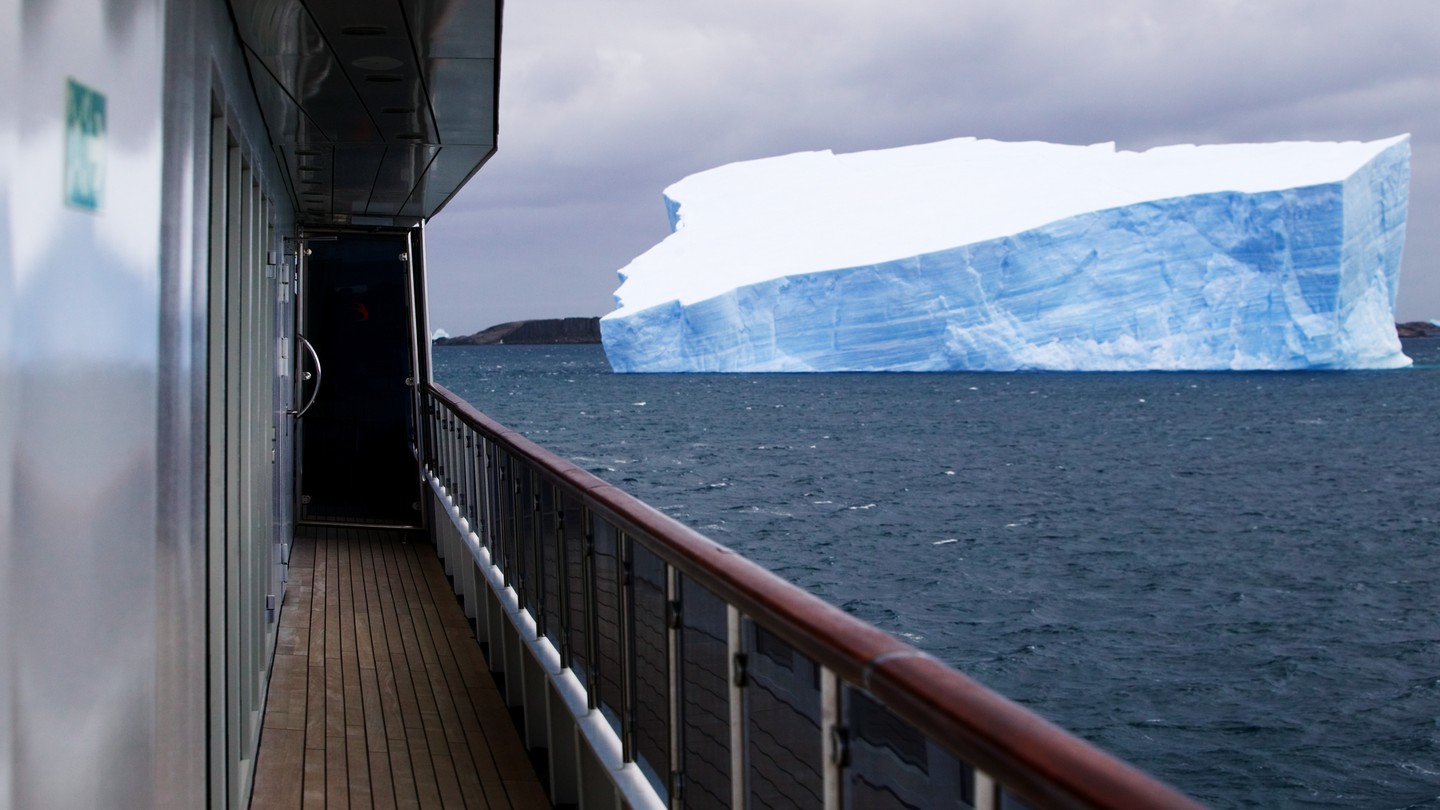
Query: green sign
[(84, 146)]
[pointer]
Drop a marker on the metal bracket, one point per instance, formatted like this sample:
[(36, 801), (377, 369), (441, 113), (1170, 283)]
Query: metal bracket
[(840, 738)]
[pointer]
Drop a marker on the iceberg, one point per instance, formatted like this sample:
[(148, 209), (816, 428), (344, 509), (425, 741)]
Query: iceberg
[(974, 254)]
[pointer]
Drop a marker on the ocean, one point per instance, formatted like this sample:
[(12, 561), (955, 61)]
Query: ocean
[(1230, 580)]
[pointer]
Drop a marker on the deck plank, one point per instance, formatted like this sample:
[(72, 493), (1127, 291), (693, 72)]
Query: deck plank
[(379, 695)]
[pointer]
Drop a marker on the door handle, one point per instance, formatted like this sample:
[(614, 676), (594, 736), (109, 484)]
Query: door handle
[(305, 375)]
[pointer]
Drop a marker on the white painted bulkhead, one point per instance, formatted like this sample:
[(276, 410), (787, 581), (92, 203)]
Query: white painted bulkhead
[(135, 528), (83, 363)]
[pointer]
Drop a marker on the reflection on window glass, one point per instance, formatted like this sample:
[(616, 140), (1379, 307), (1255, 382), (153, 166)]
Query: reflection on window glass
[(704, 698), (895, 767), (652, 667), (607, 621), (782, 703)]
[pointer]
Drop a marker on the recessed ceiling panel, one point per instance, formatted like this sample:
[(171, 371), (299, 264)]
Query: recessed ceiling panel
[(453, 82), (401, 172), (461, 30), (451, 168), (376, 107), (356, 168)]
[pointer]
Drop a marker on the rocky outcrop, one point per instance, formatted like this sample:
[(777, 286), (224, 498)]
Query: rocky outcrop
[(544, 331), (1417, 329)]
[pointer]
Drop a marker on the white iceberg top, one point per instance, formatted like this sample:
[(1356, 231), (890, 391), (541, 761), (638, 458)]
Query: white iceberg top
[(757, 220)]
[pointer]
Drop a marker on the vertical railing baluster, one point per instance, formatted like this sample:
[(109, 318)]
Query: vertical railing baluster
[(427, 413), (592, 619), (738, 753), (472, 486), (506, 524), (536, 555), (450, 451), (460, 464), (627, 645), (832, 742), (440, 445), (562, 577), (674, 621), (492, 503)]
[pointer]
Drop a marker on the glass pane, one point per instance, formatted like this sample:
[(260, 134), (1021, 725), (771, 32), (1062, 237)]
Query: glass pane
[(1009, 801), (607, 620), (491, 471), (893, 766), (576, 595), (550, 623), (652, 667), (704, 698), (505, 514), (524, 561), (473, 465), (782, 711)]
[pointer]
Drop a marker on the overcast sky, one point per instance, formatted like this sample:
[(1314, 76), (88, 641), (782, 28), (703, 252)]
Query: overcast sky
[(604, 104)]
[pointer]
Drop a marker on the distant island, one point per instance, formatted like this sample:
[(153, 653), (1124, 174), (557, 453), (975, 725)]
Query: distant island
[(543, 331), (1417, 329)]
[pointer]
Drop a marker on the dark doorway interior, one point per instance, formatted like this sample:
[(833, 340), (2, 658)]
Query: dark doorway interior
[(355, 456)]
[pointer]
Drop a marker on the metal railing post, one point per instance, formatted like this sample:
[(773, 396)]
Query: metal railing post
[(736, 656)]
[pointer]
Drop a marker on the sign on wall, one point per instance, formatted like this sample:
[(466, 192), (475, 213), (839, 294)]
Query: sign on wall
[(84, 146)]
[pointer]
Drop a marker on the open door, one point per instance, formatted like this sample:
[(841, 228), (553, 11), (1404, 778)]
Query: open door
[(357, 371)]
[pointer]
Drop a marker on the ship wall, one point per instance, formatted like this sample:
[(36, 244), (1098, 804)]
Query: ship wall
[(106, 698)]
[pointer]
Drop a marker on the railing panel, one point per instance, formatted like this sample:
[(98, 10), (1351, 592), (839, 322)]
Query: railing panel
[(490, 495), (652, 666), (704, 698), (892, 766), (609, 642), (784, 753), (550, 618), (471, 486), (576, 653), (525, 544), (505, 515)]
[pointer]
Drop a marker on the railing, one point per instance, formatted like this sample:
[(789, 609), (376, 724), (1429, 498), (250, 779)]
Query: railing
[(724, 685)]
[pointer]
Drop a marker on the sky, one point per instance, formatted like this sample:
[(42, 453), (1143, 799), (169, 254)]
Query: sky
[(604, 104)]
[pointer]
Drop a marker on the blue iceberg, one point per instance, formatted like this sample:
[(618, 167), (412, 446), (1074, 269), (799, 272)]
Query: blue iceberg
[(980, 255)]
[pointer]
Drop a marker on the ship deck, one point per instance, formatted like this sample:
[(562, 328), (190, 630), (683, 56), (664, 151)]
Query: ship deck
[(380, 696)]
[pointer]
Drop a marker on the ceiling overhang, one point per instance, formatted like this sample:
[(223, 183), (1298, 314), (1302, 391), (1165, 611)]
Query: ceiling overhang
[(378, 110)]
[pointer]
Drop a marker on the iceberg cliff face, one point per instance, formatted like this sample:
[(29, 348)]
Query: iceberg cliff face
[(978, 255)]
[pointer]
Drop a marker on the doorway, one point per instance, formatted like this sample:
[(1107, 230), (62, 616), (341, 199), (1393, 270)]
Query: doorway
[(356, 463)]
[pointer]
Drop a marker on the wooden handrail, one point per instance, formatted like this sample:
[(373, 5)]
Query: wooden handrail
[(1030, 756)]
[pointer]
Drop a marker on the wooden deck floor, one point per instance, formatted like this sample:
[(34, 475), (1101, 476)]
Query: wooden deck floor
[(379, 695)]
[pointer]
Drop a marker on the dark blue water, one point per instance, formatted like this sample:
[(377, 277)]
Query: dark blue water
[(1231, 580)]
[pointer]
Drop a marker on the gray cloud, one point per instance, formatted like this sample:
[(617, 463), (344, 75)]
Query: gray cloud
[(605, 104)]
